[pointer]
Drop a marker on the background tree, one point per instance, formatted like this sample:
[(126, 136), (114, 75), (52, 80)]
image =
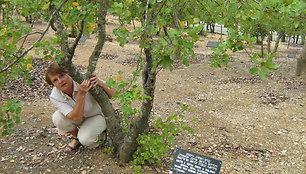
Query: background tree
[(274, 16), (301, 62)]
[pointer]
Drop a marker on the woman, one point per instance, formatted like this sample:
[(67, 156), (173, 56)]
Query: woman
[(78, 113)]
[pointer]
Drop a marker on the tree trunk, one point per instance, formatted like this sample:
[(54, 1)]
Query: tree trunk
[(3, 16), (301, 62), (270, 37), (283, 37), (297, 39), (277, 43), (141, 123), (212, 28), (303, 39), (262, 46), (257, 40), (165, 31), (289, 38)]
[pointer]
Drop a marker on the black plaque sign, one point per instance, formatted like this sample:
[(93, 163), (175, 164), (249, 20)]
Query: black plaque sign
[(189, 162)]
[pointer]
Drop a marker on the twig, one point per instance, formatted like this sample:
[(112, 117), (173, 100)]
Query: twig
[(25, 38), (159, 10), (247, 52), (37, 32)]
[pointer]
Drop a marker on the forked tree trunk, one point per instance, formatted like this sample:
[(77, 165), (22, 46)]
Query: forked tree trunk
[(301, 62)]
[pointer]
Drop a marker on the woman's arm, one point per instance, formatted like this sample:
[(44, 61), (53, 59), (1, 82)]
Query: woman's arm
[(77, 114)]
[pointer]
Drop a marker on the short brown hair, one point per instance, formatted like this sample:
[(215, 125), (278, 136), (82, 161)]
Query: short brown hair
[(53, 68)]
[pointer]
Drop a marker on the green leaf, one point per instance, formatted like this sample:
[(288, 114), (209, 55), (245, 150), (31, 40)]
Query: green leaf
[(167, 62), (186, 62), (18, 110), (17, 119), (174, 32), (262, 75), (5, 132), (196, 20), (254, 70), (272, 65), (11, 125), (184, 107), (265, 70)]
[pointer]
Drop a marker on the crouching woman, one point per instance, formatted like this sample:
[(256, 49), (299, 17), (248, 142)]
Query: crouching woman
[(78, 113)]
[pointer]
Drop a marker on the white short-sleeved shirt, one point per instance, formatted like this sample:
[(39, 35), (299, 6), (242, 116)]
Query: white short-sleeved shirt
[(65, 103)]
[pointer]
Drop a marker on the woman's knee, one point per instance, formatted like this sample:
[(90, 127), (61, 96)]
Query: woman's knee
[(90, 130), (88, 140), (62, 123)]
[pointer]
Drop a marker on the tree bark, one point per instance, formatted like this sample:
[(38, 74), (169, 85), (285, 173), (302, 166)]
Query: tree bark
[(301, 62)]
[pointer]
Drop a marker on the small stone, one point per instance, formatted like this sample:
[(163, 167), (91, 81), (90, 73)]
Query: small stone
[(35, 157), (19, 148), (284, 152)]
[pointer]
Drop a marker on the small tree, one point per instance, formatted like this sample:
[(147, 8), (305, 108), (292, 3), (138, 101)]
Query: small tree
[(301, 62)]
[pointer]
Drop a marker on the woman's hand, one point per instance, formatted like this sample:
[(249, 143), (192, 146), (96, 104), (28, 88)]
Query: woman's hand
[(85, 86), (95, 81)]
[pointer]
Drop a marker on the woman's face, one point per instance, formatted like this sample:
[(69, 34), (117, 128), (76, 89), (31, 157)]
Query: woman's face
[(62, 81)]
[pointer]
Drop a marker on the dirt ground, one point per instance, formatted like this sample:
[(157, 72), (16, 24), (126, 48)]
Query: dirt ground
[(252, 126)]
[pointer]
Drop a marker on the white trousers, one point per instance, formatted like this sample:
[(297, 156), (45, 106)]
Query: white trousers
[(89, 130)]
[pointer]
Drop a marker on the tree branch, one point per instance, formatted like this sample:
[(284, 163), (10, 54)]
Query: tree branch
[(94, 57), (64, 40), (77, 39)]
